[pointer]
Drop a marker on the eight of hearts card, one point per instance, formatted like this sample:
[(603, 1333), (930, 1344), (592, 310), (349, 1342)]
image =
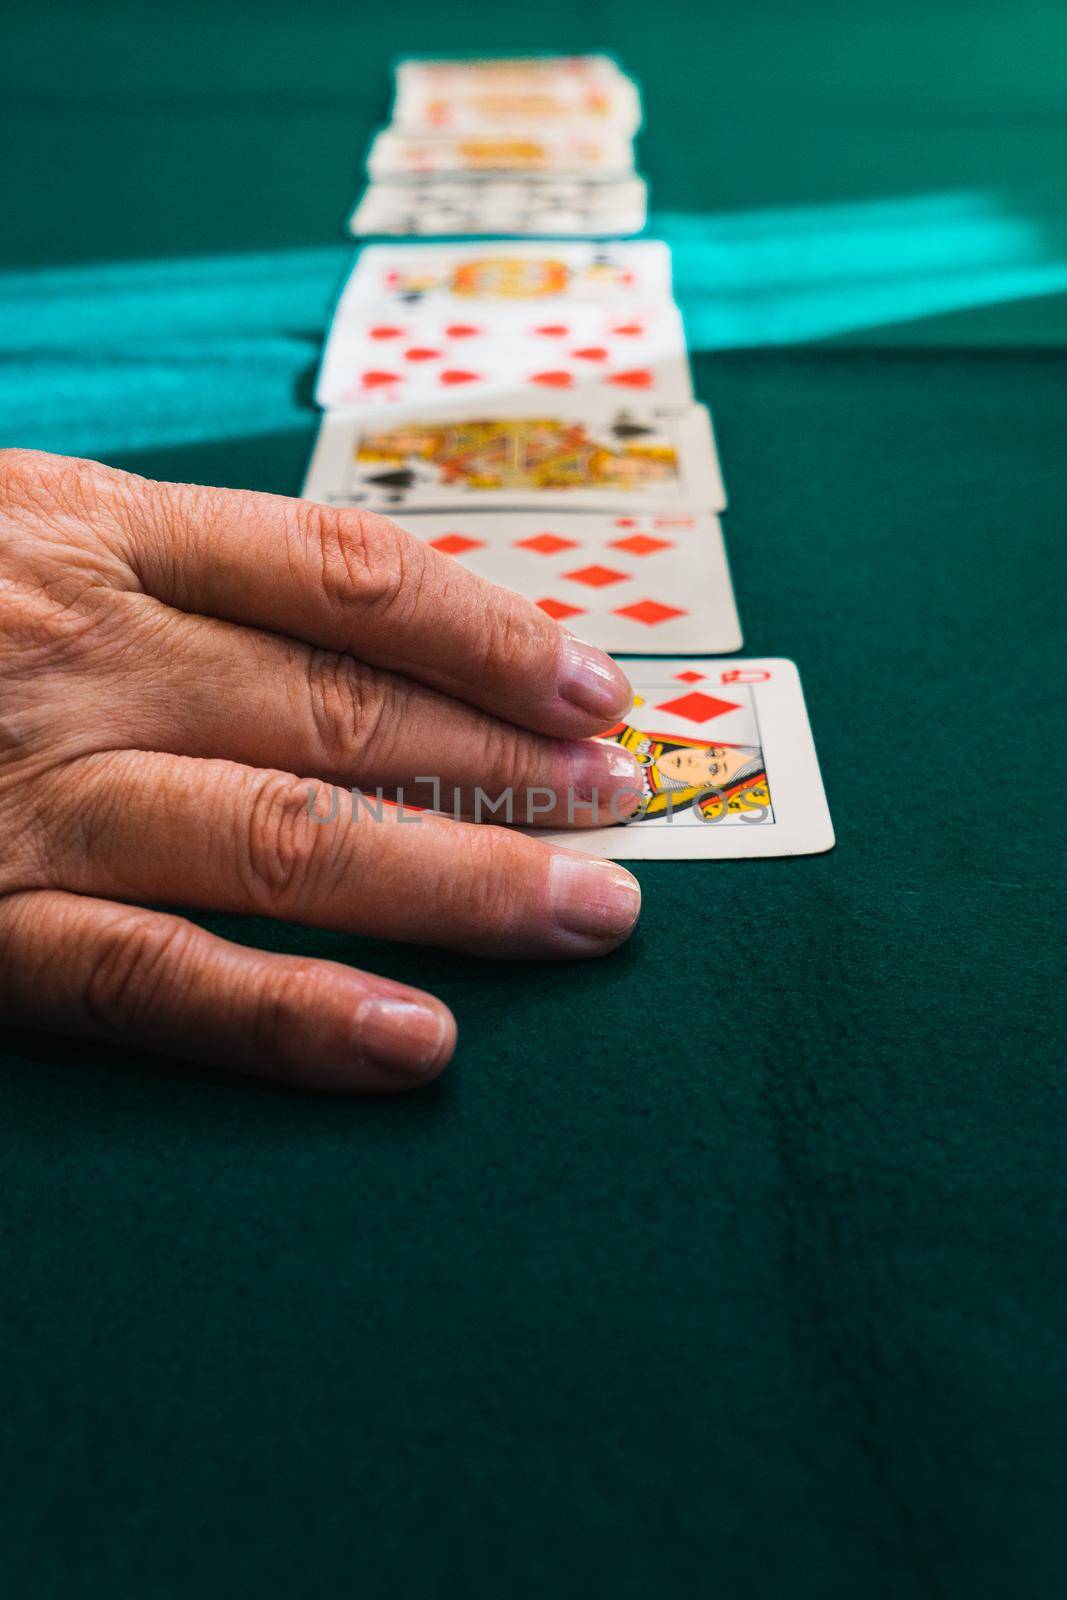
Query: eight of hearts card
[(513, 274), (522, 205), (518, 454), (425, 356), (594, 153), (728, 766), (655, 584)]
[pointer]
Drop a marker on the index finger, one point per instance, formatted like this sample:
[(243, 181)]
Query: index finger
[(356, 582)]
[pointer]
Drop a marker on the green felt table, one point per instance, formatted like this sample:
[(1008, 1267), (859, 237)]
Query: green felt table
[(732, 1263)]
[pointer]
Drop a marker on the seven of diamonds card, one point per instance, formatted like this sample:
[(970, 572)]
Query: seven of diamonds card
[(651, 583), (514, 274), (728, 765), (423, 355), (519, 454)]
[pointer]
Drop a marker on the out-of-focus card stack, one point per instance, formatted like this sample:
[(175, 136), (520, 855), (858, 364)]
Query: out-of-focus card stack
[(539, 145), (527, 408)]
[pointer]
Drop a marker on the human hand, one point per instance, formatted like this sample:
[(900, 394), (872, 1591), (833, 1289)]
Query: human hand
[(171, 659)]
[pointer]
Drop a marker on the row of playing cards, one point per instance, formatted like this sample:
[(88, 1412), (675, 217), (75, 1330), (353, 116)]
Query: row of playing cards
[(525, 406), (523, 146)]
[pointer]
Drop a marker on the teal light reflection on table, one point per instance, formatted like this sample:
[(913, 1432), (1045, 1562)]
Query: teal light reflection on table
[(128, 357)]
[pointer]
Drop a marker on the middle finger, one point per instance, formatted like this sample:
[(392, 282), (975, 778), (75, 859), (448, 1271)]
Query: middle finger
[(266, 701)]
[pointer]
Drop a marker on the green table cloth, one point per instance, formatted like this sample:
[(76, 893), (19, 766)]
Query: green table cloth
[(731, 1264)]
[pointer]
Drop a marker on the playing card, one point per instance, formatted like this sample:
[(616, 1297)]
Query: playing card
[(594, 458), (550, 275), (728, 765), (658, 584), (594, 154), (522, 206), (424, 357), (536, 104), (471, 72)]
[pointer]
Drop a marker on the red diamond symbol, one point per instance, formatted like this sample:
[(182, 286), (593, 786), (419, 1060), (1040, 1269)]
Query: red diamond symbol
[(649, 611), (559, 609), (640, 544), (626, 522), (546, 544), (689, 677), (596, 577), (696, 706), (454, 544)]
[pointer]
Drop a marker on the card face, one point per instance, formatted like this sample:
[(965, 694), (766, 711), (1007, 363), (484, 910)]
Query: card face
[(548, 276), (658, 584), (535, 103), (471, 72), (595, 154), (728, 765), (424, 357), (523, 206), (518, 454)]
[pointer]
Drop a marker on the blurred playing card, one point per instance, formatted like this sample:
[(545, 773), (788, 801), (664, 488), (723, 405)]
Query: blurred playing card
[(539, 103), (523, 206), (425, 356), (546, 276), (654, 583), (596, 153), (518, 453), (473, 72)]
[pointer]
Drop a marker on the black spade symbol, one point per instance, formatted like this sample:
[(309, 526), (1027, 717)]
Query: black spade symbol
[(403, 478), (629, 430)]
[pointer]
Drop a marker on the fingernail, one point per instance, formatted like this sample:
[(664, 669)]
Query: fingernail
[(402, 1036), (591, 681), (594, 899), (613, 773)]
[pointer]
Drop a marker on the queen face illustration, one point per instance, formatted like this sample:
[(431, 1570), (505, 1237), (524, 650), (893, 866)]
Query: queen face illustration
[(714, 767)]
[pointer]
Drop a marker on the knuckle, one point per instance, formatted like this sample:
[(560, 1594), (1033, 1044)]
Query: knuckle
[(365, 561), (507, 759), (280, 1012), (504, 639), (488, 887), (279, 849), (347, 708), (137, 963)]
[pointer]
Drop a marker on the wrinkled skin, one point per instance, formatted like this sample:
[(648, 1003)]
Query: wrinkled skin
[(183, 673)]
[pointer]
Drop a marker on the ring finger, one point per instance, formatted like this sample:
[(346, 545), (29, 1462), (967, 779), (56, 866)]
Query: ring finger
[(265, 701)]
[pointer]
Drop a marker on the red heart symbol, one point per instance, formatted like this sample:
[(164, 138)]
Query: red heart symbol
[(640, 378), (421, 355), (461, 330), (374, 380), (458, 377), (629, 328), (553, 380), (386, 333), (553, 330), (594, 353)]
